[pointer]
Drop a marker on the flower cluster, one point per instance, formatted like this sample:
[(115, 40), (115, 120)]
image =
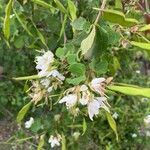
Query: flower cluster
[(84, 95), (46, 66)]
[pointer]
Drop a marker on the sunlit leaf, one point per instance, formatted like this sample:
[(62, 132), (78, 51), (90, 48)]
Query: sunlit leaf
[(112, 123), (6, 25), (72, 9), (41, 142), (63, 143), (23, 112), (60, 6), (130, 90), (87, 43), (145, 28), (144, 46)]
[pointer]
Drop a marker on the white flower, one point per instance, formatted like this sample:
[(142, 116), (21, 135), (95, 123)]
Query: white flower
[(93, 108), (70, 100), (102, 100), (138, 71), (134, 135), (54, 141), (55, 73), (43, 62), (115, 115), (147, 120), (29, 123), (45, 82), (96, 85)]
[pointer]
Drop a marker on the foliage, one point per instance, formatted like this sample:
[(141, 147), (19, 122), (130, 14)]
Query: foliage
[(78, 42)]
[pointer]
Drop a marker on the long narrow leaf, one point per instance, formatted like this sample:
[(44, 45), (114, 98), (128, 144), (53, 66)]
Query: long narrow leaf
[(22, 23), (6, 25), (60, 6)]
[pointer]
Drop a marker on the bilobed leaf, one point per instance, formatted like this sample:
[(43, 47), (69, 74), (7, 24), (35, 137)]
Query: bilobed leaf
[(60, 6), (60, 52), (63, 143), (23, 112), (22, 23), (144, 46), (112, 123), (72, 9), (76, 81), (87, 43), (130, 90), (71, 58), (41, 142), (77, 69), (84, 125), (6, 25), (145, 28)]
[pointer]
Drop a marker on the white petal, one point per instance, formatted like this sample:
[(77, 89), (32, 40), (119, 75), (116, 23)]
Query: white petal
[(29, 123), (70, 100), (50, 89), (93, 108), (97, 81)]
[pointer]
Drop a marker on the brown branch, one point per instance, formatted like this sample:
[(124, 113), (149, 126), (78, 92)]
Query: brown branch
[(100, 11)]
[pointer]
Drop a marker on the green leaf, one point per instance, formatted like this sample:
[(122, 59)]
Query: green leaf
[(118, 17), (144, 46), (131, 90), (44, 4), (37, 125), (145, 28), (112, 123), (72, 10), (80, 24), (19, 42), (87, 43), (76, 81), (71, 58), (23, 112), (22, 23), (63, 26), (63, 143), (77, 69), (40, 35), (60, 6), (41, 142), (6, 25), (84, 126), (60, 52)]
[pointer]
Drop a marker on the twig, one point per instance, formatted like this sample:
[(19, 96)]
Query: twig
[(100, 11)]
